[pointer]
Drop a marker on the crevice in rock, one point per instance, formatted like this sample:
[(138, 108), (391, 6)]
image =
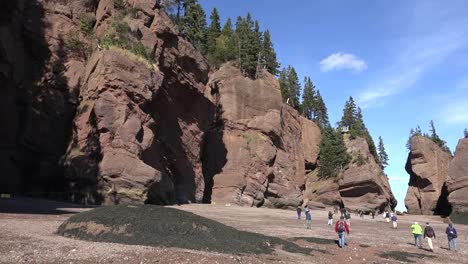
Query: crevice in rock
[(443, 206)]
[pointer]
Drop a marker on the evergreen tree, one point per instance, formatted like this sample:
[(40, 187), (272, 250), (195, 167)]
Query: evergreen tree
[(214, 31), (225, 46), (333, 153), (349, 114), (465, 133), (321, 112), (436, 139), (308, 99), (194, 25), (383, 157), (284, 84), (269, 54), (294, 88)]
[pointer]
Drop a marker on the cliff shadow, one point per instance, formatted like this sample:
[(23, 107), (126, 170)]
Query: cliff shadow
[(443, 206), (39, 109)]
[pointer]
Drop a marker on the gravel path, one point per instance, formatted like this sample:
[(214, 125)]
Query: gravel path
[(27, 235)]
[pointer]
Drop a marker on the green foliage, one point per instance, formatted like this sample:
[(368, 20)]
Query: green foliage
[(360, 159), (465, 133), (433, 136), (308, 99), (76, 46), (353, 119), (321, 112), (383, 157), (120, 36), (269, 55), (333, 153), (214, 31), (87, 22), (290, 86), (193, 24)]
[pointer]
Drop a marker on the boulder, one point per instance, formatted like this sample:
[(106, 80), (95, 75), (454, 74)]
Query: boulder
[(457, 179), (428, 166), (254, 155)]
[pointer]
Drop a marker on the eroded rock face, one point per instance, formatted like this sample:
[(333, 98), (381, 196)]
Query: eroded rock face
[(140, 125), (428, 166), (457, 179), (254, 156)]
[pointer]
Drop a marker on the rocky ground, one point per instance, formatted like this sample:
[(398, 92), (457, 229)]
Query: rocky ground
[(28, 236)]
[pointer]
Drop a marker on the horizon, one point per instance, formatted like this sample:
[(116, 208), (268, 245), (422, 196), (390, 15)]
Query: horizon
[(384, 55)]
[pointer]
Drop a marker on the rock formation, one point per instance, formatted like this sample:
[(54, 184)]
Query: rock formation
[(428, 166), (87, 117), (457, 179), (139, 127), (357, 187), (256, 152)]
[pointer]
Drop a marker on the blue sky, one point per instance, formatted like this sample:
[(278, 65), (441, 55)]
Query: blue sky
[(404, 62)]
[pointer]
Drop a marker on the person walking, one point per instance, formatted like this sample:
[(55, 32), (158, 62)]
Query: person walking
[(387, 217), (348, 218), (308, 217), (417, 232), (342, 228), (299, 211), (429, 234), (394, 221), (452, 237), (330, 218)]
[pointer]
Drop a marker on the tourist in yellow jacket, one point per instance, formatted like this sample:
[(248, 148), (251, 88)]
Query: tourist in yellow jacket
[(417, 232)]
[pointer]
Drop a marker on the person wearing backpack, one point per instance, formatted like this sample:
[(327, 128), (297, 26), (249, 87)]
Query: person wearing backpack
[(417, 232), (452, 237), (342, 228), (429, 234), (394, 221)]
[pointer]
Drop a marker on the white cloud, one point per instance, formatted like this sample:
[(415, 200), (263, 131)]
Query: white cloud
[(454, 112), (423, 46), (398, 179), (342, 61)]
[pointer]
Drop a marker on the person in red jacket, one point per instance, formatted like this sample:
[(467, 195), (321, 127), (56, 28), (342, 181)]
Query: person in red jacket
[(342, 228)]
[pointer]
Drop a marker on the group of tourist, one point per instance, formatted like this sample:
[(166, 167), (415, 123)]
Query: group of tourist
[(342, 227), (429, 235)]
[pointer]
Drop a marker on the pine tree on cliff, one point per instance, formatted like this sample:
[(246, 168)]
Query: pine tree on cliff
[(465, 133), (294, 88), (308, 99), (269, 54), (225, 46), (194, 25), (214, 31), (434, 137), (284, 84), (321, 112), (247, 46), (333, 154), (383, 157), (349, 114)]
